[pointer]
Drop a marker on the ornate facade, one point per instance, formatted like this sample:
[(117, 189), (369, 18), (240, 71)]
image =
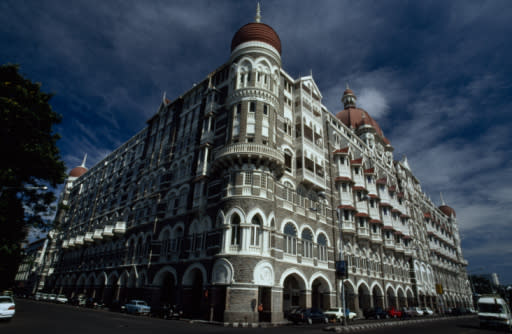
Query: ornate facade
[(246, 190)]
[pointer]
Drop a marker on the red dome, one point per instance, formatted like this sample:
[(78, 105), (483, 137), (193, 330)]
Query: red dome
[(78, 171), (355, 117), (256, 31), (447, 210)]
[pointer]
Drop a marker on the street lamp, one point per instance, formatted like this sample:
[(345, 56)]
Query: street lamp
[(343, 268)]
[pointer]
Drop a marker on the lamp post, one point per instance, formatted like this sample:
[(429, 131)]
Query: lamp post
[(341, 261), (22, 188)]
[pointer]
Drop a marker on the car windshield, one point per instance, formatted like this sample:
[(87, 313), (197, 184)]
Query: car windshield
[(5, 300), (490, 308), (334, 310)]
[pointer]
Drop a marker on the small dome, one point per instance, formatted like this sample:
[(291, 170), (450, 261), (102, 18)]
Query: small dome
[(78, 171), (256, 31), (447, 210), (355, 117)]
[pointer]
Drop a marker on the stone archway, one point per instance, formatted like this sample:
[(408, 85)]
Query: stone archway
[(320, 294), (402, 301), (410, 298), (350, 296), (391, 297), (168, 289), (294, 289), (364, 297), (378, 296)]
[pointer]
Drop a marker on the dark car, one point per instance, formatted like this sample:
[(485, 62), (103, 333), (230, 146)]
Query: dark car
[(167, 311), (309, 315), (375, 313)]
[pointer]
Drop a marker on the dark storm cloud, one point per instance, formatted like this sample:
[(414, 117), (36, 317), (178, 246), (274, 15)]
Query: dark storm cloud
[(436, 76)]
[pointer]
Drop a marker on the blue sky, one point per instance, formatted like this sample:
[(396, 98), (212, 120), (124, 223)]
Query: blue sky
[(436, 75)]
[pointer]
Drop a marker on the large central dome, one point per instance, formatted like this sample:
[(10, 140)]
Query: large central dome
[(256, 31)]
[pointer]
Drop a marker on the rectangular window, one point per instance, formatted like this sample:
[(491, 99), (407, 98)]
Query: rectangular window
[(252, 106), (248, 178), (265, 109)]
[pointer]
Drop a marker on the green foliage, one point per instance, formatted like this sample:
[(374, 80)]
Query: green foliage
[(29, 158)]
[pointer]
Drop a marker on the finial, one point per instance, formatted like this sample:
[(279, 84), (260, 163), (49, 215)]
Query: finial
[(348, 86), (83, 162), (442, 200), (257, 18)]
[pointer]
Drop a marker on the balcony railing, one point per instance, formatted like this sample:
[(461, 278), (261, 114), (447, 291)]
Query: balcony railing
[(88, 237), (98, 234), (239, 150), (120, 228), (108, 231)]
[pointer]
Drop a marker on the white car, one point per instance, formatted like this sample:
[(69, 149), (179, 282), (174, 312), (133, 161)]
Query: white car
[(416, 312), (427, 311), (52, 297), (7, 307), (337, 313), (61, 299)]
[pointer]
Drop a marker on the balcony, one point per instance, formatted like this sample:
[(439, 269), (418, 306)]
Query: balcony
[(308, 177), (71, 242), (88, 237), (348, 227), (98, 234), (363, 232), (399, 247), (389, 243), (256, 153), (108, 231), (376, 238), (79, 241), (120, 228), (65, 243)]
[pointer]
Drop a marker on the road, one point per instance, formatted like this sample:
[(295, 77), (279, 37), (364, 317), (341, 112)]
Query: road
[(41, 317)]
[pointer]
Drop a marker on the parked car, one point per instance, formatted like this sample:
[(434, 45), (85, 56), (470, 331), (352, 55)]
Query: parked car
[(337, 314), (79, 300), (394, 313), (290, 311), (52, 297), (62, 299), (427, 311), (375, 313), (416, 311), (407, 312), (309, 315), (7, 307), (137, 306), (44, 296), (167, 311)]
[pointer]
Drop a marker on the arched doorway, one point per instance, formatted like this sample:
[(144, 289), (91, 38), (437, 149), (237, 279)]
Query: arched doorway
[(350, 296), (364, 297), (320, 294), (390, 293), (402, 301), (168, 289), (293, 292), (378, 296), (410, 298)]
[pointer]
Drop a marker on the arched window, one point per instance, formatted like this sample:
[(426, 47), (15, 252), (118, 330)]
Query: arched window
[(322, 247), (177, 240), (256, 231), (290, 239), (235, 230), (307, 243), (166, 244)]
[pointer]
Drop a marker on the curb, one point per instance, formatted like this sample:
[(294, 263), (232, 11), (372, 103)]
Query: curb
[(360, 327)]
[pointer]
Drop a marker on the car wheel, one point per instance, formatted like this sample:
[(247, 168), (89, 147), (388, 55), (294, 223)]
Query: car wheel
[(377, 316), (310, 321), (387, 316), (326, 320), (394, 316)]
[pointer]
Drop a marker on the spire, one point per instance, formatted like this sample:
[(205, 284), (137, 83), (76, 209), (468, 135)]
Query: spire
[(83, 162), (347, 86), (348, 99), (442, 199), (257, 18)]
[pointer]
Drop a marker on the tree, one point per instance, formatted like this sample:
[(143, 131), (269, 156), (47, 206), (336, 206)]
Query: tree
[(29, 160)]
